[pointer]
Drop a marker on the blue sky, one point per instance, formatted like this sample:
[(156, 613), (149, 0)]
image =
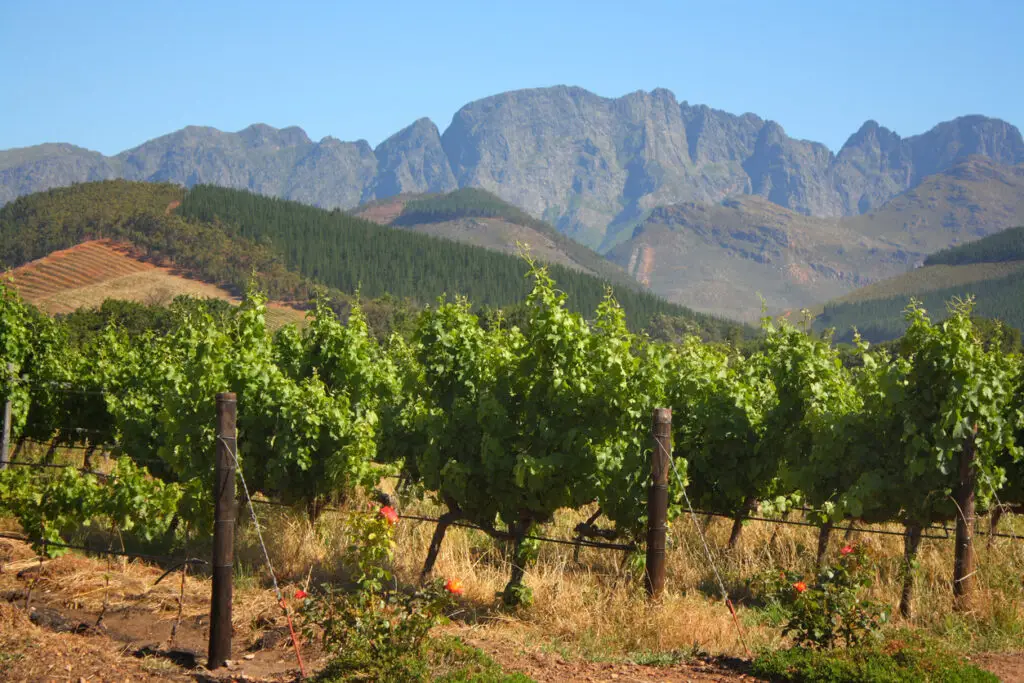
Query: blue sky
[(110, 75)]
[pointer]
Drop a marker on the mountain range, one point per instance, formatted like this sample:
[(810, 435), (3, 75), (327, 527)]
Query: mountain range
[(707, 207), (590, 165)]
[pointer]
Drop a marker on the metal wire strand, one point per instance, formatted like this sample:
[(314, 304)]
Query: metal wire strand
[(707, 549)]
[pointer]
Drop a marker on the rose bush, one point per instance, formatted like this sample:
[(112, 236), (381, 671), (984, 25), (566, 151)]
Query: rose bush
[(377, 628), (829, 609)]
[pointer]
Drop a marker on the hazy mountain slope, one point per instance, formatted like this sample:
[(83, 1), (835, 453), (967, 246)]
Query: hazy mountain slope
[(590, 165), (43, 167), (974, 198), (412, 161), (990, 269), (717, 257), (286, 163), (721, 257)]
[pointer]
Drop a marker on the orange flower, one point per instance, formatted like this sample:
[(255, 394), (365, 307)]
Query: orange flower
[(301, 594), (388, 513), (454, 586), (847, 549), (800, 586)]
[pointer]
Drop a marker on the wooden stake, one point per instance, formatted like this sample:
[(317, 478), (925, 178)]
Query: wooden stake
[(963, 563), (223, 532), (657, 504), (5, 438)]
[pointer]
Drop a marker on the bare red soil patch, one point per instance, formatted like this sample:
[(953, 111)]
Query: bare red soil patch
[(384, 213), (91, 272), (88, 263)]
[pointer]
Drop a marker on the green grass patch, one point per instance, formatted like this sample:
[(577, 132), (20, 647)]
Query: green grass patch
[(1001, 632), (447, 660), (770, 614), (896, 662), (8, 658)]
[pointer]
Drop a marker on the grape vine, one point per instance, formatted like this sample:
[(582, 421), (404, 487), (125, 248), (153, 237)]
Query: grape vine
[(505, 425)]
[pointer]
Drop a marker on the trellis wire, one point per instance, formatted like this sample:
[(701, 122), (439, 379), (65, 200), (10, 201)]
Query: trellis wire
[(266, 557)]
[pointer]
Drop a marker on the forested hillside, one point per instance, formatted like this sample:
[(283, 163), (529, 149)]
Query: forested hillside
[(230, 237), (142, 213), (969, 271), (451, 216), (881, 320), (350, 253), (469, 201), (1007, 245)]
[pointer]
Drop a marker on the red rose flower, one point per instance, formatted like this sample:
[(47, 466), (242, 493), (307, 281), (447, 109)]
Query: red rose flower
[(301, 594), (847, 549), (800, 586), (388, 513), (454, 586)]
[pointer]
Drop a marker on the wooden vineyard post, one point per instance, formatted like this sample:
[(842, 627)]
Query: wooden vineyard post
[(963, 564), (223, 532), (657, 504), (5, 438)]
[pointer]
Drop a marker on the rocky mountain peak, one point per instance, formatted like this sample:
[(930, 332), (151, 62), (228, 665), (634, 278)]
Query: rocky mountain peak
[(413, 161), (262, 135)]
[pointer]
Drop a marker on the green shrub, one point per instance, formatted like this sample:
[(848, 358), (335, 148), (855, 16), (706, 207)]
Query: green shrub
[(377, 632), (452, 661), (443, 660), (827, 611)]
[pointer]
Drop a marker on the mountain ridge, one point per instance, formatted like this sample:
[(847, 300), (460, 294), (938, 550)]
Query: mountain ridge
[(590, 165)]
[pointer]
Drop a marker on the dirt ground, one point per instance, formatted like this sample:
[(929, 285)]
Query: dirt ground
[(58, 639), (60, 636), (1008, 666)]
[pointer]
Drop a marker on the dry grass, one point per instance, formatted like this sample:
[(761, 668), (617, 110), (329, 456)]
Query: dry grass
[(83, 584), (153, 286), (595, 609)]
